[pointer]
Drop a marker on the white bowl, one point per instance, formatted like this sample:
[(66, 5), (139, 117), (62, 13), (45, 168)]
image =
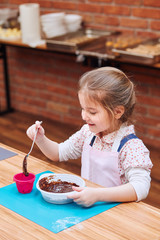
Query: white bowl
[(73, 22), (60, 198), (52, 16), (71, 18), (73, 27)]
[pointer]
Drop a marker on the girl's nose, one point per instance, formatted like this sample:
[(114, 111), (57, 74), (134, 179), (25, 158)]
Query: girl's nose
[(84, 116)]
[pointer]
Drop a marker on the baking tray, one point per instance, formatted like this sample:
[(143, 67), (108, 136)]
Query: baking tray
[(71, 42), (136, 57), (96, 49)]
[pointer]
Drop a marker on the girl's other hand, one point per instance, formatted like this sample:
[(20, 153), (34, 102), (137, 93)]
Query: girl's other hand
[(84, 196), (31, 131)]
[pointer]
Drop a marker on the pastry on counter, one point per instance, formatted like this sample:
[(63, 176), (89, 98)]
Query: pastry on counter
[(122, 41), (146, 49), (10, 33)]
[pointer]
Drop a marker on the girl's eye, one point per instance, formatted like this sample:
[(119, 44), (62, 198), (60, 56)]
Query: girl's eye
[(93, 113)]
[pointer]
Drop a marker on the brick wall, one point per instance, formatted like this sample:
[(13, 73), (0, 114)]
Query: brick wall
[(147, 114), (140, 17), (46, 83)]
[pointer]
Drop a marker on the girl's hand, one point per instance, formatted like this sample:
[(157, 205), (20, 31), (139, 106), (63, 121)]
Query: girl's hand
[(84, 196), (31, 131)]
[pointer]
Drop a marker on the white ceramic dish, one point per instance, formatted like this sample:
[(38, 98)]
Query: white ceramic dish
[(60, 198), (53, 24), (51, 16), (73, 22)]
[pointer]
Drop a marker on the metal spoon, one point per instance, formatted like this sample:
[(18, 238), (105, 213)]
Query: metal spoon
[(25, 158)]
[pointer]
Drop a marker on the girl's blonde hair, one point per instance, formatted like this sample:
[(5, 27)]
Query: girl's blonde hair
[(111, 88)]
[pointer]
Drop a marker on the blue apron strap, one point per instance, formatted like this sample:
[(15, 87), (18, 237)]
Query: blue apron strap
[(92, 141), (126, 139)]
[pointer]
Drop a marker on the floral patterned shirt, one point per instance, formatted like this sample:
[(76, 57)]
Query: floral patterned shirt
[(133, 155)]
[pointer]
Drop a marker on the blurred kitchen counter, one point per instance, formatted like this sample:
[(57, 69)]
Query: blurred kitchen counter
[(44, 47)]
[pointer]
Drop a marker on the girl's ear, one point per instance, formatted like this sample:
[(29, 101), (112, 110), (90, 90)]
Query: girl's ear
[(118, 112)]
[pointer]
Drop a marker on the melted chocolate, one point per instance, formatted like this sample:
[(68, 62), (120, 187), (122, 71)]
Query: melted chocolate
[(25, 166), (56, 186)]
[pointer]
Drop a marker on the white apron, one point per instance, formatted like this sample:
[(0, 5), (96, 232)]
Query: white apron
[(102, 167)]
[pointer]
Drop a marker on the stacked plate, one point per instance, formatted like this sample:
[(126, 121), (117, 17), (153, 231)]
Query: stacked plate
[(73, 22), (53, 24)]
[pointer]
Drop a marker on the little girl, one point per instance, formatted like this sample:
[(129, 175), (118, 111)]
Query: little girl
[(111, 154)]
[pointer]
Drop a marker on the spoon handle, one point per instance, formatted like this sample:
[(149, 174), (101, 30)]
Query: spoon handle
[(33, 141)]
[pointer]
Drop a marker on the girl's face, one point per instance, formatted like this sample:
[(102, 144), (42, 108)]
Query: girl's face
[(95, 115)]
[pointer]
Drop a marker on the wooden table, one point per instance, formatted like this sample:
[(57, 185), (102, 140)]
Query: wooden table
[(134, 221)]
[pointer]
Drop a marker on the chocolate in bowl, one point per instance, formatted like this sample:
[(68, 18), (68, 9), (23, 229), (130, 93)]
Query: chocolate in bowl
[(50, 185), (58, 197)]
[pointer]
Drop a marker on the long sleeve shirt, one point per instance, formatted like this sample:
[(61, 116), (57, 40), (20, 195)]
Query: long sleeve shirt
[(134, 162)]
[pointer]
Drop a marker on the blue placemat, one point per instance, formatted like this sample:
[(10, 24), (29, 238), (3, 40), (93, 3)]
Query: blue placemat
[(50, 216), (6, 153)]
